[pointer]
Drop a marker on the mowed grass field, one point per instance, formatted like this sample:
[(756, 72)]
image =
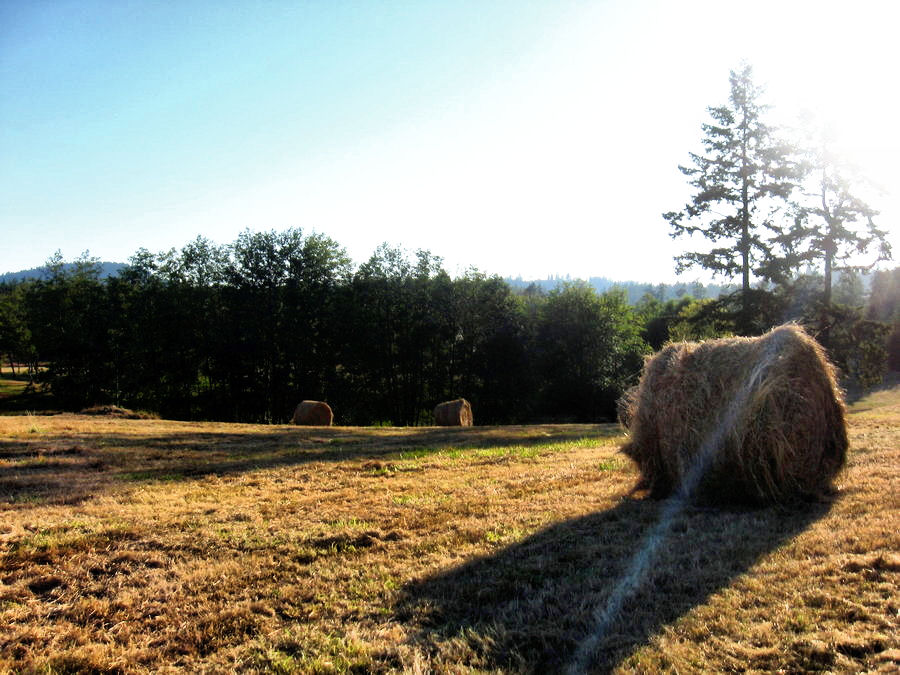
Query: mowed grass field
[(131, 545)]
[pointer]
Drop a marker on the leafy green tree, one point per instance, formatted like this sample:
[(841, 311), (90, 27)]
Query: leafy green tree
[(588, 351), (397, 337), (701, 319), (857, 346), (742, 177), (413, 337), (15, 337), (697, 290), (271, 349), (68, 319), (658, 317), (140, 335), (487, 347), (800, 295), (309, 332), (835, 228), (166, 325)]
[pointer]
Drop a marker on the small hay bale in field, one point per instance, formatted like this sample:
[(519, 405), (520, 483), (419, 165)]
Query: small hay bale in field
[(456, 413), (313, 414), (738, 419), (116, 411)]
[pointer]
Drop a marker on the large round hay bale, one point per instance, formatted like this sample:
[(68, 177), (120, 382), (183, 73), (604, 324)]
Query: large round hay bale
[(313, 413), (456, 413), (738, 419)]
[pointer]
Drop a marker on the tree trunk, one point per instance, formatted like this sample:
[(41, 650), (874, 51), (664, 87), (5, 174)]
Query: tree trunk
[(828, 245), (745, 257), (825, 333), (745, 231)]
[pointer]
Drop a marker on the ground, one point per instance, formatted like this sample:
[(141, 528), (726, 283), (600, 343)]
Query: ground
[(131, 545)]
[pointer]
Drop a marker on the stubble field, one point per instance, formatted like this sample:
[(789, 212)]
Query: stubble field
[(131, 545)]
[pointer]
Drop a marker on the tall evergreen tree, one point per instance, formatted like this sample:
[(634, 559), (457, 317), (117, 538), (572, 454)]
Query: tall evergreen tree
[(834, 225), (742, 177)]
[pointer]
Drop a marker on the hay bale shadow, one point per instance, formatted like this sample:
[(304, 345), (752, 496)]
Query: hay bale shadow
[(528, 607)]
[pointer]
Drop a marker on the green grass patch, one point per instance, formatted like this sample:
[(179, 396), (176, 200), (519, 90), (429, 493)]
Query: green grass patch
[(612, 464), (9, 387), (504, 535), (421, 499), (517, 450), (349, 523), (302, 650), (138, 476)]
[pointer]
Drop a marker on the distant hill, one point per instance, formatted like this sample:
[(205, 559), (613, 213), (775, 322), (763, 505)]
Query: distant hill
[(635, 290), (107, 269)]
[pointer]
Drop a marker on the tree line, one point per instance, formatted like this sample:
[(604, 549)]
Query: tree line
[(245, 331)]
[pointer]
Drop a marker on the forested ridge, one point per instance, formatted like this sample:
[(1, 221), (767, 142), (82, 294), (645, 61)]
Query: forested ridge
[(244, 331)]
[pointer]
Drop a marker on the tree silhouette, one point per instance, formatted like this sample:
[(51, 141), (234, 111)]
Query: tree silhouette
[(742, 178), (834, 226)]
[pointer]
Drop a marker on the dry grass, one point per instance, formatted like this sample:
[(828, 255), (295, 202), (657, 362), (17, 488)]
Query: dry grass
[(149, 545)]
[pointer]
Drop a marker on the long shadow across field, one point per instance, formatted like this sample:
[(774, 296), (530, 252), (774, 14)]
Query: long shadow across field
[(531, 607), (73, 466)]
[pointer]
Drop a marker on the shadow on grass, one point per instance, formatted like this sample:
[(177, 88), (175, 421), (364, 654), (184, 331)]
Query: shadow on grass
[(18, 402), (531, 607), (70, 467)]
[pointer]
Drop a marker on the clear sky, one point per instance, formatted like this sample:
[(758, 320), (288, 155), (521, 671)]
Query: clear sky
[(523, 138)]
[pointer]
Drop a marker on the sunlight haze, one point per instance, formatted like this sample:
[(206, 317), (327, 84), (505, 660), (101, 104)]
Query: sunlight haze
[(522, 138)]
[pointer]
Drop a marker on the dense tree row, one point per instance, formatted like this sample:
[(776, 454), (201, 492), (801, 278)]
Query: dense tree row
[(245, 331)]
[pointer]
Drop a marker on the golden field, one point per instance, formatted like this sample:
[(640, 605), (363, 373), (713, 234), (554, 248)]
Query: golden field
[(142, 545)]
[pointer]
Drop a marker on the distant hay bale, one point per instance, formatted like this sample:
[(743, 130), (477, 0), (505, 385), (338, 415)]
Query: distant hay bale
[(456, 413), (738, 419), (116, 411), (313, 414)]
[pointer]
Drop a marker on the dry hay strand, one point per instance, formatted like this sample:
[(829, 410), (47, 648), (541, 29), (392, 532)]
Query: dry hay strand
[(118, 412), (313, 413), (456, 413), (762, 418)]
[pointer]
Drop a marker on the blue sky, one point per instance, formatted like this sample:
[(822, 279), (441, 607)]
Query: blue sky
[(523, 138)]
